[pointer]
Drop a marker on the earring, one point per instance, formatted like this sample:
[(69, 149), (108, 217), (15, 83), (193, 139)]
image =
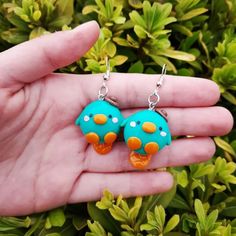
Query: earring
[(100, 120), (147, 132)]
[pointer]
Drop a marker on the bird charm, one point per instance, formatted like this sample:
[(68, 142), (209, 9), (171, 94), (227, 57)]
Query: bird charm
[(100, 123), (145, 133)]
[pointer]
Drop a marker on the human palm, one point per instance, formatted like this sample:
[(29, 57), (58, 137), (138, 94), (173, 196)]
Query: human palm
[(44, 159)]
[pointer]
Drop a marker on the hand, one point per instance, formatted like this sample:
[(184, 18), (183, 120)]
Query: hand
[(44, 159)]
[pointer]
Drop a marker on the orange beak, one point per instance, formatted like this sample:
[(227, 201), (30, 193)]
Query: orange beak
[(100, 119), (149, 127)]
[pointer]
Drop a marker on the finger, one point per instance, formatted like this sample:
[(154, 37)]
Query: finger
[(36, 58), (90, 186), (204, 121), (132, 90), (181, 152)]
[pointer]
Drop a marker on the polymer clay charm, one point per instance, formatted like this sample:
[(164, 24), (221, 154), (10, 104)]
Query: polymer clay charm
[(147, 132), (100, 120), (100, 123)]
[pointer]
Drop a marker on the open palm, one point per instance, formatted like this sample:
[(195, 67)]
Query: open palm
[(44, 159)]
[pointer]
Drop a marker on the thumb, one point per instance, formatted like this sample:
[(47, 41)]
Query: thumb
[(36, 58)]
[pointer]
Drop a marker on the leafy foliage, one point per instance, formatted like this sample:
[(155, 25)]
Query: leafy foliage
[(194, 38)]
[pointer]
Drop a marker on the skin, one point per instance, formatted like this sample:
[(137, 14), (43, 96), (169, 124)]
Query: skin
[(44, 159)]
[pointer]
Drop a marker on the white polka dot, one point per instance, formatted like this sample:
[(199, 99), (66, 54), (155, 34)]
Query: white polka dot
[(133, 124), (115, 120), (163, 134), (86, 118)]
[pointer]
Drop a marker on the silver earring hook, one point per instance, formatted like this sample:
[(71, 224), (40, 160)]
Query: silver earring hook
[(106, 76), (161, 79), (154, 97), (103, 91)]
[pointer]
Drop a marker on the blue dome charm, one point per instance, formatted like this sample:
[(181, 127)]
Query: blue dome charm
[(100, 123), (145, 133)]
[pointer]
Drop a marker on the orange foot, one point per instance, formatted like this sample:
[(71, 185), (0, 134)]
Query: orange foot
[(102, 148), (139, 161)]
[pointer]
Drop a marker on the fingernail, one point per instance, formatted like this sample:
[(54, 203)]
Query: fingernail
[(89, 24)]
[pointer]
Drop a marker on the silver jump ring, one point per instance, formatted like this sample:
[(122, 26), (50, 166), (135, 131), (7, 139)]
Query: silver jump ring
[(103, 91), (153, 99)]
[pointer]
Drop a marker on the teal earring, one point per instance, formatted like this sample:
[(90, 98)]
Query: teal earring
[(100, 121), (147, 132)]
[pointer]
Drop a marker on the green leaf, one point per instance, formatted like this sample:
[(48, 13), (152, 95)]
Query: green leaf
[(150, 202), (136, 4), (132, 43), (104, 218), (88, 9), (146, 227), (25, 18), (127, 227), (119, 60), (229, 211), (65, 8), (133, 213), (57, 217), (137, 19), (218, 187), (14, 36), (18, 22), (26, 5), (179, 202), (96, 228), (202, 170), (193, 13), (182, 29), (110, 49), (137, 67), (182, 178), (127, 233), (172, 223), (93, 66), (162, 60), (59, 21), (225, 77), (48, 224), (118, 214), (19, 11), (200, 212), (119, 20), (121, 41), (160, 215), (36, 32), (184, 56), (230, 97), (224, 145), (9, 223), (36, 15), (211, 218), (35, 226), (79, 222), (124, 205), (140, 31), (198, 183)]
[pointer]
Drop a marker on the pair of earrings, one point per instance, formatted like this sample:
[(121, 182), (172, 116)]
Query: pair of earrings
[(145, 132)]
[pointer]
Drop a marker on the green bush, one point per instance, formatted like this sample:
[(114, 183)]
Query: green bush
[(194, 38)]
